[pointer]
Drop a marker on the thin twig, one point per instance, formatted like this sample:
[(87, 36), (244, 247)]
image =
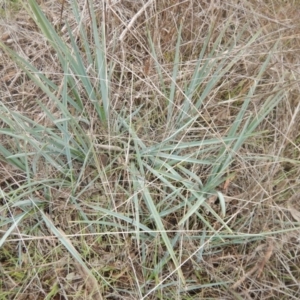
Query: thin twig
[(134, 19), (61, 13)]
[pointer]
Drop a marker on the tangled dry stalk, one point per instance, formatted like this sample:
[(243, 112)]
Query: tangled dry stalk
[(81, 237)]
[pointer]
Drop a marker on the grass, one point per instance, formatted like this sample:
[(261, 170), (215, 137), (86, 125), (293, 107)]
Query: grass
[(149, 151)]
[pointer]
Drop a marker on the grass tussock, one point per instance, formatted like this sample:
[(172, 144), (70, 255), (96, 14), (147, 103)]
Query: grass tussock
[(149, 150)]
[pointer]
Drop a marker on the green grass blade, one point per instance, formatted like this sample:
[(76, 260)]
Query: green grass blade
[(101, 60), (15, 221), (174, 76)]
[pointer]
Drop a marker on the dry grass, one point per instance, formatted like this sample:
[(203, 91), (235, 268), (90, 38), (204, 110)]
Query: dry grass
[(77, 233)]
